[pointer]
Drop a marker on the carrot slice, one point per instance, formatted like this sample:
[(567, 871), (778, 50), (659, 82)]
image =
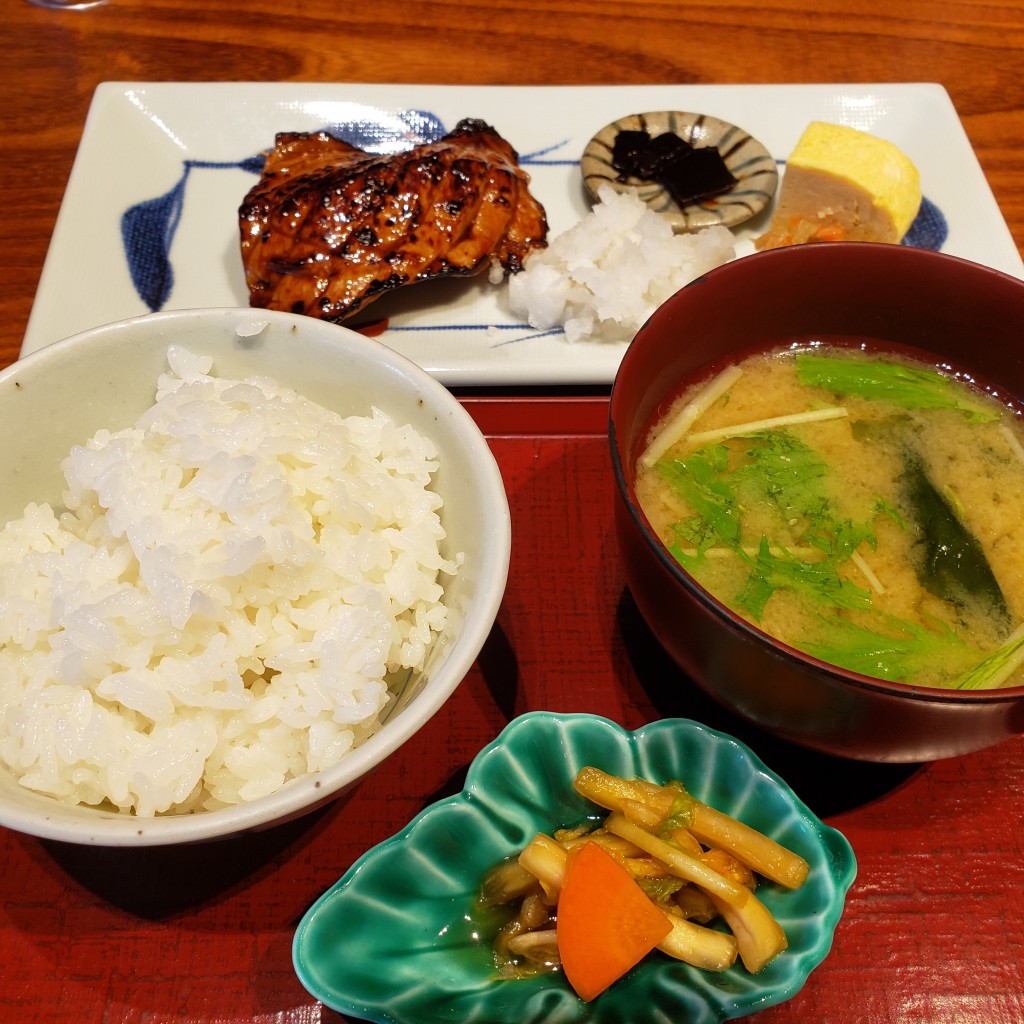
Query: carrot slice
[(830, 233), (606, 923)]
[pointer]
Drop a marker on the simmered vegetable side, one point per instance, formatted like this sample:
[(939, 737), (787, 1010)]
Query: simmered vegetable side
[(663, 871)]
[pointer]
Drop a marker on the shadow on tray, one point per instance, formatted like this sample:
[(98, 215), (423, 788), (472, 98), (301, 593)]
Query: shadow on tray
[(499, 669), (157, 882), (827, 784)]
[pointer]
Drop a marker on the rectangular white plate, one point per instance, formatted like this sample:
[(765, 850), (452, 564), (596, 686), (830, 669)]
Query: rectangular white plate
[(188, 151)]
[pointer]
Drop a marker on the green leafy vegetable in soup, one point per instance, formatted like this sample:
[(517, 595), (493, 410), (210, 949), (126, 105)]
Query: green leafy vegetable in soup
[(865, 509), (909, 387)]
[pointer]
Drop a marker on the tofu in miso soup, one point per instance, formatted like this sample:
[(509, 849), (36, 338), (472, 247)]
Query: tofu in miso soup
[(864, 508)]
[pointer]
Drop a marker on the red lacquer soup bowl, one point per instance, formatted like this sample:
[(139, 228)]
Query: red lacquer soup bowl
[(959, 314)]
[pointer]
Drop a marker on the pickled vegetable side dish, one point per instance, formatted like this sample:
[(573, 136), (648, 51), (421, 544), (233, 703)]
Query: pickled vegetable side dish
[(663, 871)]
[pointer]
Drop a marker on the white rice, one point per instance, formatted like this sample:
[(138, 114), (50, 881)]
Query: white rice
[(602, 278), (219, 607)]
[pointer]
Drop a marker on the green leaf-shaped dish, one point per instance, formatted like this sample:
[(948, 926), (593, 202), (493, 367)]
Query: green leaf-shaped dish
[(398, 938)]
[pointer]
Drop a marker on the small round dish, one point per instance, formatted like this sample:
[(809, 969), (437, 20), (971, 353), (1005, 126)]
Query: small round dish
[(750, 163), (397, 939)]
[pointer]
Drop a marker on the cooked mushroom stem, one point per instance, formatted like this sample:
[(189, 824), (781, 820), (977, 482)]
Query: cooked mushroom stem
[(747, 845), (545, 859), (613, 792), (507, 882), (759, 936), (698, 946), (540, 946), (649, 805), (679, 863)]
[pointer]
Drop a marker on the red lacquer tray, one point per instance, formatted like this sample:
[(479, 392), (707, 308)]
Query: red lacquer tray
[(934, 925)]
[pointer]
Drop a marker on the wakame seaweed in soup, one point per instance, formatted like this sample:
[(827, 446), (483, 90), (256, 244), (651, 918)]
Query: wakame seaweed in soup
[(863, 508)]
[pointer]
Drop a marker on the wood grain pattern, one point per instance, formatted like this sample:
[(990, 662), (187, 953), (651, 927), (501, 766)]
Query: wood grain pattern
[(56, 58)]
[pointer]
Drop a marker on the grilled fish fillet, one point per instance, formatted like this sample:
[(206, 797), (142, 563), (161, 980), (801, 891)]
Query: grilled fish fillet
[(329, 227)]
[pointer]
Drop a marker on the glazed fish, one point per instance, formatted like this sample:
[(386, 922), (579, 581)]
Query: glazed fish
[(329, 227)]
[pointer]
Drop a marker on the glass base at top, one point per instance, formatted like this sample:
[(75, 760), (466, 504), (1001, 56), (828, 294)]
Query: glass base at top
[(70, 5)]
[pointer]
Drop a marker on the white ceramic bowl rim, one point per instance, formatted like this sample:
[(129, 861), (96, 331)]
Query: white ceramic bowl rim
[(45, 817)]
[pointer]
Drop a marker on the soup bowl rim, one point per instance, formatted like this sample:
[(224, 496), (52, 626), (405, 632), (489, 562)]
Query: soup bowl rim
[(625, 486)]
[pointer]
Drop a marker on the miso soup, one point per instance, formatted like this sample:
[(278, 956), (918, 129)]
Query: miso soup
[(863, 508)]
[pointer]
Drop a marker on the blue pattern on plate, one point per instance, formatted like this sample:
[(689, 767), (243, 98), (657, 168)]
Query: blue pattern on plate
[(929, 230), (148, 228)]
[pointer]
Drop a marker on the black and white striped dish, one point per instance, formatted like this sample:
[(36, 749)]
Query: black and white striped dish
[(750, 163)]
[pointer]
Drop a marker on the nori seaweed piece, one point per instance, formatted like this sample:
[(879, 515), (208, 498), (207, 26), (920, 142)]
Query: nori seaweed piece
[(702, 175), (636, 154), (689, 173), (951, 562)]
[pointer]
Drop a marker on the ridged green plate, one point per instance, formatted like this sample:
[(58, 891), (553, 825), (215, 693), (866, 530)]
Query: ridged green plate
[(396, 941)]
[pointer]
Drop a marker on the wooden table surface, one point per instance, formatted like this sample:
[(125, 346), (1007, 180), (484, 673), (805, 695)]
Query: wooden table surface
[(53, 61), (933, 930)]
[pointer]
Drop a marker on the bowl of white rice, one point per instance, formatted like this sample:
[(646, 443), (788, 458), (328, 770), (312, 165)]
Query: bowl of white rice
[(244, 556)]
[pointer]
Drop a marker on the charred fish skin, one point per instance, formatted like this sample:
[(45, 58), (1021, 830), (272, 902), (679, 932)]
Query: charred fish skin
[(328, 228)]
